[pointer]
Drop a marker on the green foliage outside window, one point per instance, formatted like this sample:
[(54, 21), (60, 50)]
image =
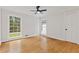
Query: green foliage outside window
[(14, 26)]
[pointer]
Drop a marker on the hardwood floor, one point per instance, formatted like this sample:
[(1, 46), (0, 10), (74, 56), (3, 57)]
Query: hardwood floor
[(39, 44)]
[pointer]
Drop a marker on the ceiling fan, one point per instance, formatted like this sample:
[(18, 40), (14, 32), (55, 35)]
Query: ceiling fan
[(38, 10)]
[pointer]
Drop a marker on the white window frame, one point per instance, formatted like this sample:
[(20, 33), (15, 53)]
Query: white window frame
[(14, 32)]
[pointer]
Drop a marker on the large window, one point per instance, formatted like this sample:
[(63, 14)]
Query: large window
[(15, 24)]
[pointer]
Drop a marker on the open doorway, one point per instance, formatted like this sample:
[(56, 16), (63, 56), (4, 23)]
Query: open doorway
[(43, 27)]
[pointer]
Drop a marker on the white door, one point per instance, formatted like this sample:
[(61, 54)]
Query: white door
[(67, 27), (72, 27)]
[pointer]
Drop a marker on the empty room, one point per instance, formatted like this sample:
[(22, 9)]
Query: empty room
[(39, 29)]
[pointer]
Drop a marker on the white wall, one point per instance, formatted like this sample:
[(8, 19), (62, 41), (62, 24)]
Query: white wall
[(28, 24), (54, 26), (0, 26), (37, 25)]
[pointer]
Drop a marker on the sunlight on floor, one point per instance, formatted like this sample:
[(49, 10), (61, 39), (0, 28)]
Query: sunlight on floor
[(43, 43), (15, 46)]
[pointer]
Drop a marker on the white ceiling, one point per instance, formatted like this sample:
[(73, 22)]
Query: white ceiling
[(50, 9)]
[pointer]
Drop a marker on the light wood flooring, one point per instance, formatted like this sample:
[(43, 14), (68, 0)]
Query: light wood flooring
[(39, 44)]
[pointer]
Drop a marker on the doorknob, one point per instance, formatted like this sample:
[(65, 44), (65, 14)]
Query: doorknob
[(66, 29)]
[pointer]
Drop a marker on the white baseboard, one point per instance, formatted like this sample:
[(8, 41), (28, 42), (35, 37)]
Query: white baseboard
[(61, 39), (56, 37), (10, 39), (38, 35)]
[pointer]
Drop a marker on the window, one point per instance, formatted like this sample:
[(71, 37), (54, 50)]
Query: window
[(14, 26)]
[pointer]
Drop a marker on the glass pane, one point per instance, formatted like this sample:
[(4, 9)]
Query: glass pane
[(14, 25)]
